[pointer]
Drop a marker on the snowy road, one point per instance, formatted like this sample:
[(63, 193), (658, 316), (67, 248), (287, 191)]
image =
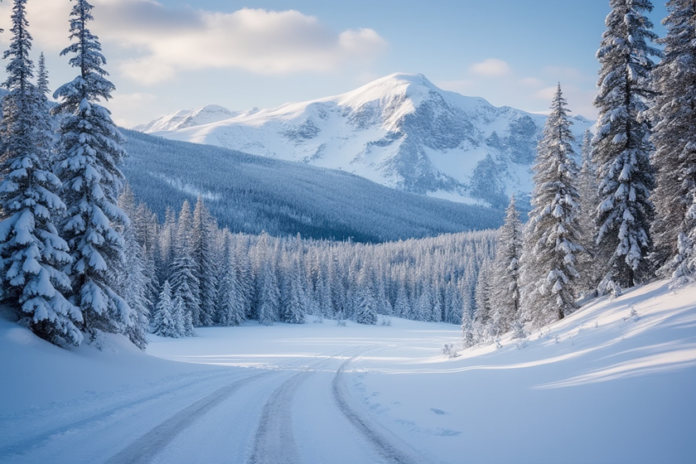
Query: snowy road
[(296, 410)]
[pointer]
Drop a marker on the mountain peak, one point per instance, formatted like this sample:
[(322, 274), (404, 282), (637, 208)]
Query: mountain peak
[(401, 131)]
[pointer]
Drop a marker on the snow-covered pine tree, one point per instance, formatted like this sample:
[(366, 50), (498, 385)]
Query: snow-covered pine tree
[(552, 238), (269, 295), (31, 251), (467, 326), (364, 302), (402, 308), (164, 323), (182, 317), (203, 252), (482, 296), (89, 155), (674, 137), (365, 307), (184, 272), (621, 147), (505, 293), (589, 200), (130, 276), (185, 280), (293, 309), (230, 310)]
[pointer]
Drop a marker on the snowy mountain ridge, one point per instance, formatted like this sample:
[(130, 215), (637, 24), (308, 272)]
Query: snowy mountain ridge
[(401, 131)]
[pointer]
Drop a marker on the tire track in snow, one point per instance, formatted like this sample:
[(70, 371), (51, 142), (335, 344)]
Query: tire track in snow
[(393, 450), (274, 442), (145, 448), (21, 446)]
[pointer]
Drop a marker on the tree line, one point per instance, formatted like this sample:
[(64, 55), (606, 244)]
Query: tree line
[(628, 213), (187, 272)]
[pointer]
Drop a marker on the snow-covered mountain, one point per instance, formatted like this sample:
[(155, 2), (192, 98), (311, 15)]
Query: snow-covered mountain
[(185, 118), (400, 131)]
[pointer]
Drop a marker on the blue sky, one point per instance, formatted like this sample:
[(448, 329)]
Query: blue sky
[(167, 55)]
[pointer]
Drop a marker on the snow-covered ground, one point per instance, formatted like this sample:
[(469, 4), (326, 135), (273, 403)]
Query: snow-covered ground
[(614, 383)]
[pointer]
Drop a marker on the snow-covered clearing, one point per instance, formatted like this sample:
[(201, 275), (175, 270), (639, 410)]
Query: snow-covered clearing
[(614, 383)]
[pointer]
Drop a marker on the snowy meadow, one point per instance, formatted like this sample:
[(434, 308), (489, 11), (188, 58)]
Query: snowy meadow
[(611, 383)]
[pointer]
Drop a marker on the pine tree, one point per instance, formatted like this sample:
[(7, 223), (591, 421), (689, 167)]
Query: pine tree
[(269, 295), (293, 308), (230, 309), (130, 275), (164, 323), (505, 295), (589, 201), (552, 241), (401, 305), (31, 251), (89, 155), (365, 304), (184, 271), (674, 137), (482, 315), (621, 147), (203, 251), (468, 334)]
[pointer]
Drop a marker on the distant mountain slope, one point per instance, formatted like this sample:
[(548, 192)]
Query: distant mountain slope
[(250, 194), (400, 131)]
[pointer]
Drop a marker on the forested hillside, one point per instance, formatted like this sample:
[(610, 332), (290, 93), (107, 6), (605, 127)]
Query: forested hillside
[(251, 194)]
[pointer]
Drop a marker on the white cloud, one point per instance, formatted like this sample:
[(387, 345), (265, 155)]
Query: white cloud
[(545, 94), (163, 41), (491, 67)]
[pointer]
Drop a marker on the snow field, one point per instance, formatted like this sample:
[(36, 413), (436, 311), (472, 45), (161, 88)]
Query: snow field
[(612, 383)]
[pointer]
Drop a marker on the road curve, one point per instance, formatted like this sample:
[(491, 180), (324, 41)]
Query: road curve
[(389, 447)]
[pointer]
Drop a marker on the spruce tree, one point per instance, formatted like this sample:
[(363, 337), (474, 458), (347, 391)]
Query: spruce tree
[(230, 310), (203, 253), (130, 275), (482, 299), (589, 200), (552, 242), (89, 156), (674, 137), (621, 147), (32, 253), (505, 294), (293, 309), (365, 304), (269, 295), (164, 323), (184, 271)]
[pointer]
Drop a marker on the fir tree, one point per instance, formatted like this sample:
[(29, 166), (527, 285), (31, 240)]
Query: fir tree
[(589, 200), (230, 305), (184, 271), (31, 251), (552, 241), (164, 324), (202, 251), (89, 155), (482, 316), (621, 147), (293, 309), (130, 275), (269, 296), (365, 307), (505, 295), (674, 137)]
